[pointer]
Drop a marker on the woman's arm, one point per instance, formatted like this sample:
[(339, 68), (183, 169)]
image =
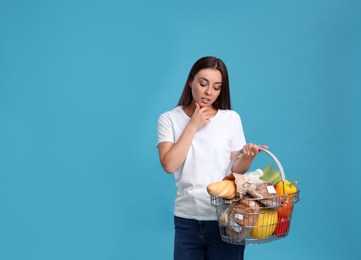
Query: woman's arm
[(172, 155), (245, 159)]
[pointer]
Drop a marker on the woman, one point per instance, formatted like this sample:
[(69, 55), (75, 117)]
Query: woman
[(196, 141)]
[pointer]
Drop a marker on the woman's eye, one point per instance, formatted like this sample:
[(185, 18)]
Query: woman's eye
[(203, 84)]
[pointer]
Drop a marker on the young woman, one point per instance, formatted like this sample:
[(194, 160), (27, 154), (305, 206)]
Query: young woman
[(196, 141)]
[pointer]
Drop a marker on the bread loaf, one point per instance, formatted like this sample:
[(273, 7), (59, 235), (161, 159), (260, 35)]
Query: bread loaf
[(223, 189)]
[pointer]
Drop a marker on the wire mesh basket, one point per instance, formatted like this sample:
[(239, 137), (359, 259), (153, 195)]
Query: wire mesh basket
[(251, 221)]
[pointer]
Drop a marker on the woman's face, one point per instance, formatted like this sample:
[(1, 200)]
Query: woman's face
[(206, 86)]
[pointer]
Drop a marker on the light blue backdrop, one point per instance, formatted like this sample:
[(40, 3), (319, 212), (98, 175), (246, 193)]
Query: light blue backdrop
[(82, 84)]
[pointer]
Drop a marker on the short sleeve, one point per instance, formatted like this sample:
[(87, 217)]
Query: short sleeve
[(238, 138), (165, 128)]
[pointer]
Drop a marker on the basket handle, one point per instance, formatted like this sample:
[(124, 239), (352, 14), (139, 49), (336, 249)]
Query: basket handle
[(279, 165)]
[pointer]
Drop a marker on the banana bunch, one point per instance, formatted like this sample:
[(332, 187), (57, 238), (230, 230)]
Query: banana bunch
[(271, 175)]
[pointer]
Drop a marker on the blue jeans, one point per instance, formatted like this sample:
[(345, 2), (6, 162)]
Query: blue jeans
[(201, 240)]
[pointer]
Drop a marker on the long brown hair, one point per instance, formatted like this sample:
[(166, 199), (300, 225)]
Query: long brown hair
[(209, 62)]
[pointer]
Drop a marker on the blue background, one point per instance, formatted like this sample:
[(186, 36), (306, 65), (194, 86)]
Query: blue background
[(82, 84)]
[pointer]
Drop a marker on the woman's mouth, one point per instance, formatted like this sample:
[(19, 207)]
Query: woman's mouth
[(205, 100)]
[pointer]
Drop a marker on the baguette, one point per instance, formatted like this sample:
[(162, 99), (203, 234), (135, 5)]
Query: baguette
[(224, 189)]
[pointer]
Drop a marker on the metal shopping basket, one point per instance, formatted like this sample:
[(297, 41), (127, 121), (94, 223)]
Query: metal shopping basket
[(252, 221)]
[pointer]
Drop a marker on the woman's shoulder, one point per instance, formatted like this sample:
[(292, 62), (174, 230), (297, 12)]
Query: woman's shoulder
[(174, 110), (172, 113), (228, 113), (230, 118)]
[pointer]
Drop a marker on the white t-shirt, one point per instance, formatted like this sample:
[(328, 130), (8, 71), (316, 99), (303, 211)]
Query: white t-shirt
[(207, 159)]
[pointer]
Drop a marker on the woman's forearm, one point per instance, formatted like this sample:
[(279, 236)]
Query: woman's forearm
[(242, 163), (174, 155)]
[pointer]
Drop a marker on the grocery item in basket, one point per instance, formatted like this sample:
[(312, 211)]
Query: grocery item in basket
[(245, 212), (236, 231), (223, 189), (246, 184), (240, 182), (224, 218), (239, 185), (258, 173), (265, 225), (243, 215), (265, 192), (286, 208), (286, 187), (282, 227)]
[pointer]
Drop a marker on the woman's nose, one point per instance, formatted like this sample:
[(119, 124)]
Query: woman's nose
[(208, 91)]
